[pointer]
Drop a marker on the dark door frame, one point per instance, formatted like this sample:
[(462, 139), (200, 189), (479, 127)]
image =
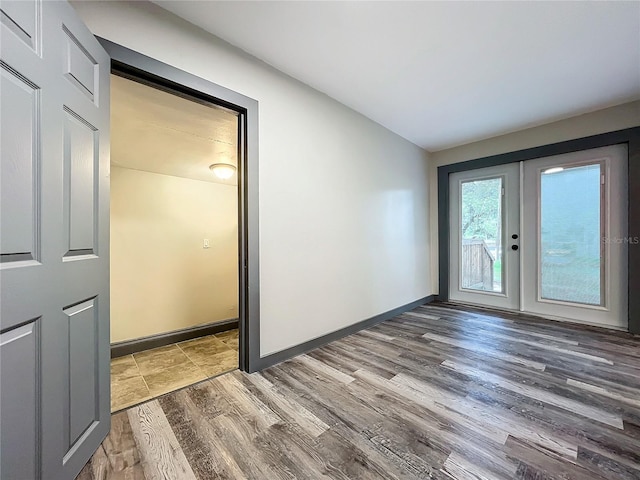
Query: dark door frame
[(138, 67), (629, 136)]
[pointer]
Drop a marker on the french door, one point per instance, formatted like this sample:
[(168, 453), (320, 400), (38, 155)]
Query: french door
[(545, 236), (485, 236)]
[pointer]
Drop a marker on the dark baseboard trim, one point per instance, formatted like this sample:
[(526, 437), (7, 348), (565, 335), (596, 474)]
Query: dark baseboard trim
[(153, 341), (281, 356)]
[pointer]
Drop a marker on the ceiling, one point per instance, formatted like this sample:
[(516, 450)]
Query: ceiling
[(441, 74), (156, 131)]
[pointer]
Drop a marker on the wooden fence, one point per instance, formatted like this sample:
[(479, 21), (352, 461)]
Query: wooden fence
[(477, 265)]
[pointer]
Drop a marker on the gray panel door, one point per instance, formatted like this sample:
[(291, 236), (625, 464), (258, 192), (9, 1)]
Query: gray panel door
[(54, 241)]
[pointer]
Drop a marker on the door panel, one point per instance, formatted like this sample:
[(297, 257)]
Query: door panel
[(483, 217), (575, 223), (55, 232), (81, 68), (23, 20), (19, 148), (81, 161), (19, 454), (83, 361)]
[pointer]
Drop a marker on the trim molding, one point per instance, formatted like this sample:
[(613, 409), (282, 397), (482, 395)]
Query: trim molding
[(127, 347), (281, 356), (629, 136)]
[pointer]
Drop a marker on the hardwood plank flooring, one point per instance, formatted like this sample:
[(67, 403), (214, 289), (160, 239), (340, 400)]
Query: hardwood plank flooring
[(442, 392)]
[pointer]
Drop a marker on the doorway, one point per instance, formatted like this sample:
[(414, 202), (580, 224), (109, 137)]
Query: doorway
[(130, 64), (544, 236), (174, 241)]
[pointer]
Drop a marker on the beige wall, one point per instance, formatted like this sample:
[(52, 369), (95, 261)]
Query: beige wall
[(162, 279), (601, 121), (344, 217)]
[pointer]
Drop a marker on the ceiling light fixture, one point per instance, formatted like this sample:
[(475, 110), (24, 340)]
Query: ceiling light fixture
[(223, 171), (553, 170)]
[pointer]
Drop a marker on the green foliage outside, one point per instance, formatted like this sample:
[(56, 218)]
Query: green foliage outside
[(481, 201), (497, 270)]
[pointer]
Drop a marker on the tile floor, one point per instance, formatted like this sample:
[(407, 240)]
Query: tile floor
[(144, 375)]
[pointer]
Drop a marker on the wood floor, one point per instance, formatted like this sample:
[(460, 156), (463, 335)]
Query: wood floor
[(438, 392)]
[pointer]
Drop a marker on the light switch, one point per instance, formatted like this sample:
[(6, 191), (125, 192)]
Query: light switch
[(205, 244)]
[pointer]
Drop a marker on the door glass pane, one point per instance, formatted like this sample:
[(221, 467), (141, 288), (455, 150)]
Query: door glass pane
[(481, 228), (570, 234)]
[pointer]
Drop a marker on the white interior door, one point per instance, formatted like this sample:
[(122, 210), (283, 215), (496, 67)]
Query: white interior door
[(484, 228), (54, 241), (575, 236)]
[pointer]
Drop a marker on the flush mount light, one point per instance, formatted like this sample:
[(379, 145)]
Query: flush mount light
[(553, 170), (223, 171)]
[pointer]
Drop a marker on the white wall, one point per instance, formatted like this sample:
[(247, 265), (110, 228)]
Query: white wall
[(601, 121), (344, 229), (162, 279)]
